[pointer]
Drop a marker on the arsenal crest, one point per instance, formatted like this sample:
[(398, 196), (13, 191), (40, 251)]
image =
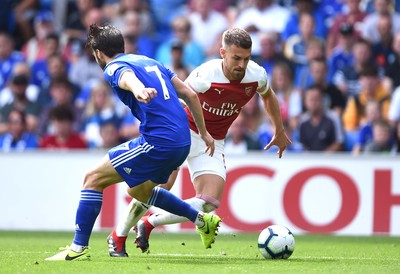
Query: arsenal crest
[(248, 90)]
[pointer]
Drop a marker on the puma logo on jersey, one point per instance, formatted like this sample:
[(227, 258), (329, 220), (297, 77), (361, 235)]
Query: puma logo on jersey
[(219, 90)]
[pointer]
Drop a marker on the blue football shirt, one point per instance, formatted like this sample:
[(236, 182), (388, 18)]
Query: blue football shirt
[(163, 120)]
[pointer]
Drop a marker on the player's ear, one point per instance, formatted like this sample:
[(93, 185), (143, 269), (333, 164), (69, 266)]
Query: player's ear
[(222, 52), (98, 53)]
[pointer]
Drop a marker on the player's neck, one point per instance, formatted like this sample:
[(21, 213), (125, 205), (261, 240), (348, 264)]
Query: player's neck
[(109, 59)]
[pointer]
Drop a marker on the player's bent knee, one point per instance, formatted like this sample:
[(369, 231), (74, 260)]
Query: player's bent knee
[(142, 192), (167, 186), (90, 181)]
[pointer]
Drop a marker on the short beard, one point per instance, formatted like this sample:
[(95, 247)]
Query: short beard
[(100, 62)]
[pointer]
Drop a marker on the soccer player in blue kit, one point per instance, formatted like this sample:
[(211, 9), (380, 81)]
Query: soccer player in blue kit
[(151, 91)]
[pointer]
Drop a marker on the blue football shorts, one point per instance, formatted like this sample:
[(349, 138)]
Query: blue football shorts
[(137, 161)]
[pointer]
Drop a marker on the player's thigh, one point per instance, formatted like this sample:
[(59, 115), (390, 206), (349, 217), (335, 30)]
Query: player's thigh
[(199, 162), (208, 173), (102, 176)]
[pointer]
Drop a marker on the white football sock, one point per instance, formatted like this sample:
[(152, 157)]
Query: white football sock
[(199, 222), (76, 248), (166, 218), (132, 215)]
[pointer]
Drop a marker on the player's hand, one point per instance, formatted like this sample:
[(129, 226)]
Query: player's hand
[(145, 95), (210, 143), (281, 140)]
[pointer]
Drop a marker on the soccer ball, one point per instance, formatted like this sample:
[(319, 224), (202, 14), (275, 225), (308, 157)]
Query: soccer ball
[(276, 242)]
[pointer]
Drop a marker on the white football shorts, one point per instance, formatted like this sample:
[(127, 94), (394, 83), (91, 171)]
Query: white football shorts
[(200, 162)]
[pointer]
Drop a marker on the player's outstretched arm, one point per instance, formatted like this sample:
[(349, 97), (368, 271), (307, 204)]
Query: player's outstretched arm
[(280, 138), (192, 101)]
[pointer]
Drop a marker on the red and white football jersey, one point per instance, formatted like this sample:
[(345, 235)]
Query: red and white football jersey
[(222, 99)]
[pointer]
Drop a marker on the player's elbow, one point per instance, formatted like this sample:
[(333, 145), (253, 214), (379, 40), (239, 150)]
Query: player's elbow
[(190, 97)]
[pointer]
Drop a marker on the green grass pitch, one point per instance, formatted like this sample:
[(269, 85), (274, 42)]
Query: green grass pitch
[(24, 252)]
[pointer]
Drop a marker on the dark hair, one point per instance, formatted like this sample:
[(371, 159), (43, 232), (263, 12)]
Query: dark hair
[(20, 79), (317, 87), (238, 37), (105, 38), (62, 113), (286, 67), (176, 45), (7, 35), (321, 60), (182, 19), (57, 56), (362, 41), (346, 28), (382, 123), (369, 70), (53, 36), (21, 114), (61, 80)]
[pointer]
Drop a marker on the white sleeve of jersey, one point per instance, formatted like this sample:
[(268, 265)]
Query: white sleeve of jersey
[(198, 81), (260, 74), (263, 84)]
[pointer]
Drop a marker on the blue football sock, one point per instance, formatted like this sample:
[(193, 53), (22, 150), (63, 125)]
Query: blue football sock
[(166, 200), (88, 210)]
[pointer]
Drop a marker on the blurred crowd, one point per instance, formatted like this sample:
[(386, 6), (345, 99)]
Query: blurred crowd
[(334, 65)]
